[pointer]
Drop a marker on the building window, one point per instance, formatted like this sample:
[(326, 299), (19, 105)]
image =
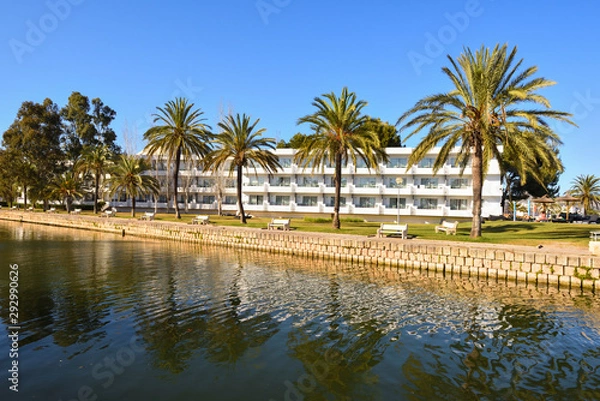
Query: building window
[(285, 162), (162, 199), (256, 181), (281, 200), (366, 201), (329, 182), (208, 199), (393, 203), (330, 201), (205, 182), (229, 183), (230, 200), (308, 181), (427, 162), (280, 181), (457, 183), (255, 200), (366, 182), (308, 201), (428, 203), (397, 162), (393, 183), (458, 204), (429, 183)]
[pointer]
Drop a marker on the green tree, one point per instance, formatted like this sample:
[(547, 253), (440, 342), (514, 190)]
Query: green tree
[(33, 145), (96, 160), (9, 188), (239, 145), (492, 104), (127, 176), (87, 125), (181, 132), (587, 189), (67, 187), (340, 133), (387, 133)]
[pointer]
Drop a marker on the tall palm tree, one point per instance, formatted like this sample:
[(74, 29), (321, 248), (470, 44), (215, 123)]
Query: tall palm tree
[(128, 176), (239, 146), (67, 187), (181, 133), (489, 113), (587, 189), (96, 160), (340, 133)]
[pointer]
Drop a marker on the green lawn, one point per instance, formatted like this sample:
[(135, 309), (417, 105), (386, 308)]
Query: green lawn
[(498, 232)]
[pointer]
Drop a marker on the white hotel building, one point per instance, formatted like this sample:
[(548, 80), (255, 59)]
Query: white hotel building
[(417, 194)]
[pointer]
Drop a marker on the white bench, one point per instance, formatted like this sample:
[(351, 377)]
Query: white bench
[(594, 235), (201, 219), (393, 229), (147, 216), (276, 224), (109, 213), (76, 211), (51, 210), (447, 227)]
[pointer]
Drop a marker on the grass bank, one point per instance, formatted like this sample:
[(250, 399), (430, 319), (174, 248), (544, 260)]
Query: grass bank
[(494, 232)]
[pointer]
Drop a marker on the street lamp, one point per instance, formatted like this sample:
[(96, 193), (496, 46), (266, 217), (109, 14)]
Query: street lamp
[(398, 183)]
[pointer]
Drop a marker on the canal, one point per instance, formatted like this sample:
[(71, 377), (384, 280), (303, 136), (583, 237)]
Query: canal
[(93, 316)]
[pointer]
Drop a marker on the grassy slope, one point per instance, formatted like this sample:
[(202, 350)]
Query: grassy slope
[(498, 232)]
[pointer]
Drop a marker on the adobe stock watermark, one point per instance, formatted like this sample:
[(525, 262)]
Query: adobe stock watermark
[(106, 370), (435, 44), (267, 7), (38, 30), (583, 105), (307, 383)]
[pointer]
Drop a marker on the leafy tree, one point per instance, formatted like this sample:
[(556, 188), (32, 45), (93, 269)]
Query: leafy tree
[(9, 188), (587, 189), (492, 104), (182, 133), (387, 133), (67, 187), (96, 160), (33, 145), (127, 176), (87, 125), (340, 133), (239, 145), (294, 143)]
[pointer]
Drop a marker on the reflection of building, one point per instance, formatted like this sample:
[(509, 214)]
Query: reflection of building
[(376, 192)]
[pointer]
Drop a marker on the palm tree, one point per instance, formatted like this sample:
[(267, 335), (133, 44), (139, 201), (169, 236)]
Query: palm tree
[(587, 189), (67, 187), (96, 160), (340, 133), (489, 113), (239, 146), (127, 176), (181, 133)]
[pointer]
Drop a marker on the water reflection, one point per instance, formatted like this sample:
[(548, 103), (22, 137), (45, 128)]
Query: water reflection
[(217, 323)]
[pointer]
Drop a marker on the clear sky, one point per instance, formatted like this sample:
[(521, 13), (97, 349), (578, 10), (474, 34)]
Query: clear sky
[(270, 58)]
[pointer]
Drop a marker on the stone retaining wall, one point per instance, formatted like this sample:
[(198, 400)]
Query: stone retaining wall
[(494, 262)]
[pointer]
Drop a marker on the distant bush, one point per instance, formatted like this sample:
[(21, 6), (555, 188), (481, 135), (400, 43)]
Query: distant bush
[(317, 220)]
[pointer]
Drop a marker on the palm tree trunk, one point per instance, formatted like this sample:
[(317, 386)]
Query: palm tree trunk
[(96, 185), (239, 194), (337, 181), (477, 186), (25, 196), (133, 206), (175, 177)]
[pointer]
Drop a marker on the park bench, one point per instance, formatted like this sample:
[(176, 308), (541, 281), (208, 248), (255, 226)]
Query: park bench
[(276, 224), (447, 227), (149, 216), (393, 229), (201, 219), (51, 210), (109, 213), (76, 211)]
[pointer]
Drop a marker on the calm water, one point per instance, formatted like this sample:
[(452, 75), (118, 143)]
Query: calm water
[(108, 318)]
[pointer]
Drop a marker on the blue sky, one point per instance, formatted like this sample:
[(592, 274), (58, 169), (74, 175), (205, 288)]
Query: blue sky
[(270, 58)]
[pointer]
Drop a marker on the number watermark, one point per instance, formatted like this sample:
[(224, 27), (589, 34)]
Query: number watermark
[(13, 328)]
